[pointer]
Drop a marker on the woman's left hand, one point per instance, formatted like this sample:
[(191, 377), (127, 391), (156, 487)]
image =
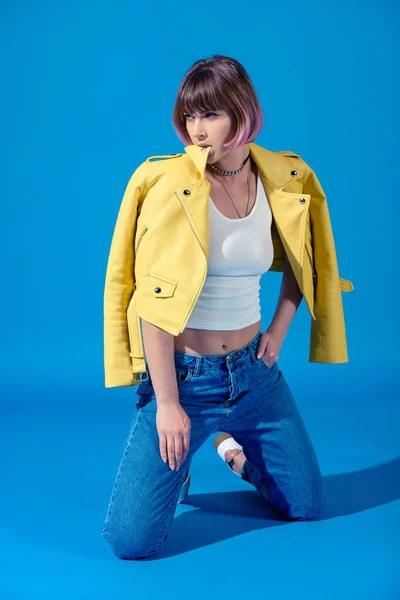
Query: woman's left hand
[(269, 347)]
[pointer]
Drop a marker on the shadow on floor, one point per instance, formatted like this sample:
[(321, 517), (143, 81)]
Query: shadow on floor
[(217, 516)]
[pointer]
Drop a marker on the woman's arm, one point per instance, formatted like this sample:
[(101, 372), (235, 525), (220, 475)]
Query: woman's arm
[(159, 351), (173, 424), (289, 299)]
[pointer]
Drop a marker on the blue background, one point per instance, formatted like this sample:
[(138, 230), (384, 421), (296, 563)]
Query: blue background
[(87, 94)]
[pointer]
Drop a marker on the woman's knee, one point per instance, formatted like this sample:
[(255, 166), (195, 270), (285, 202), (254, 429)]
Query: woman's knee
[(134, 545), (306, 508)]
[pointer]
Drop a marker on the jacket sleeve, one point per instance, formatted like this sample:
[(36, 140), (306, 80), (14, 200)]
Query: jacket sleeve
[(119, 284), (328, 334)]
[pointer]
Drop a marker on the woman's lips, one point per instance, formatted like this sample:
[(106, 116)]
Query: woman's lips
[(209, 146)]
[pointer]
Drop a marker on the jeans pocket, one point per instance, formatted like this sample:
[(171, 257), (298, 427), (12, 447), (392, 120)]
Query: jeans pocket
[(143, 400), (183, 374), (264, 365), (145, 390), (144, 393)]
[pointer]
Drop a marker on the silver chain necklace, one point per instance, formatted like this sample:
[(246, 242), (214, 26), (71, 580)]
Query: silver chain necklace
[(230, 197)]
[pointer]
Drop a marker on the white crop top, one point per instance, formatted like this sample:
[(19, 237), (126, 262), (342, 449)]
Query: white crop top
[(240, 250)]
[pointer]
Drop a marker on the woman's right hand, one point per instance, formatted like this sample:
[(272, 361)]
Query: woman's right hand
[(173, 426)]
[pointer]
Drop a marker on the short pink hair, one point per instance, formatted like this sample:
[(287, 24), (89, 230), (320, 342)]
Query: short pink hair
[(219, 83)]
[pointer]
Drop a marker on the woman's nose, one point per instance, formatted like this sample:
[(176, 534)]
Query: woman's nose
[(198, 129)]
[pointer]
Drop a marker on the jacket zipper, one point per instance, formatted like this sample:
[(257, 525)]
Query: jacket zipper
[(205, 256), (140, 239), (311, 260)]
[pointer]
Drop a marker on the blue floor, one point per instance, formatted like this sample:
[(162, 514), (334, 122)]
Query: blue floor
[(61, 447)]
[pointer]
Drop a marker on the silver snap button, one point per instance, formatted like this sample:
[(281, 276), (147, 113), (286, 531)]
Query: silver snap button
[(157, 290), (203, 150), (186, 192), (302, 200), (293, 173)]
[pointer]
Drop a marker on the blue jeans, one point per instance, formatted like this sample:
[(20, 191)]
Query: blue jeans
[(236, 393)]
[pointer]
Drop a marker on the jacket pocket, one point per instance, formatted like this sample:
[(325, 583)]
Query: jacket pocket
[(161, 287)]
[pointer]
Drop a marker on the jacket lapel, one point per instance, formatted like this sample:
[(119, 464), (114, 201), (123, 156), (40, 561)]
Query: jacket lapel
[(288, 212)]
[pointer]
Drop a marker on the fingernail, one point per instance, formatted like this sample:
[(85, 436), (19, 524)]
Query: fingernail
[(259, 355), (172, 467)]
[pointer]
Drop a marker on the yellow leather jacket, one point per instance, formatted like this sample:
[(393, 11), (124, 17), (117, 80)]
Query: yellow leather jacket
[(159, 253)]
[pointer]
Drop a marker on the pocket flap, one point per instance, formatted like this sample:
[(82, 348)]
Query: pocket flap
[(346, 285), (160, 286)]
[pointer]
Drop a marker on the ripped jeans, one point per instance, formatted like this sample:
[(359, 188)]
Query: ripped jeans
[(236, 393)]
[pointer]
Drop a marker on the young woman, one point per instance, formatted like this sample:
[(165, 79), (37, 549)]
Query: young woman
[(194, 234)]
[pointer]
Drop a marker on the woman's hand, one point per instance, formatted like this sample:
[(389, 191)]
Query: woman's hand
[(269, 346), (173, 426)]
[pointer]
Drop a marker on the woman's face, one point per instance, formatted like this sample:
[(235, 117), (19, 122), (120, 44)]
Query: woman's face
[(212, 128)]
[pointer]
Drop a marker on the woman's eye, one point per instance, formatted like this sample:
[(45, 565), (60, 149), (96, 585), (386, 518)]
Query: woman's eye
[(208, 114)]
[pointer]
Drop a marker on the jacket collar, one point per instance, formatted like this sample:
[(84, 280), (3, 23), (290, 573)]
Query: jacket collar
[(273, 166)]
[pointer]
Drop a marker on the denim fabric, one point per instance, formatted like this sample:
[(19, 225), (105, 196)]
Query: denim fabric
[(236, 393)]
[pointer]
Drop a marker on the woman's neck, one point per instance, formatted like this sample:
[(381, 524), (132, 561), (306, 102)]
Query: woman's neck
[(234, 158), (233, 180), (233, 161)]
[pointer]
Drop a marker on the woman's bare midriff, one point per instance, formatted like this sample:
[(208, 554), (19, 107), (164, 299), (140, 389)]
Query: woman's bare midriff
[(212, 342)]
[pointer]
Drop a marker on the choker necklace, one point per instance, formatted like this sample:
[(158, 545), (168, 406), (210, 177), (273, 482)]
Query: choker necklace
[(222, 172)]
